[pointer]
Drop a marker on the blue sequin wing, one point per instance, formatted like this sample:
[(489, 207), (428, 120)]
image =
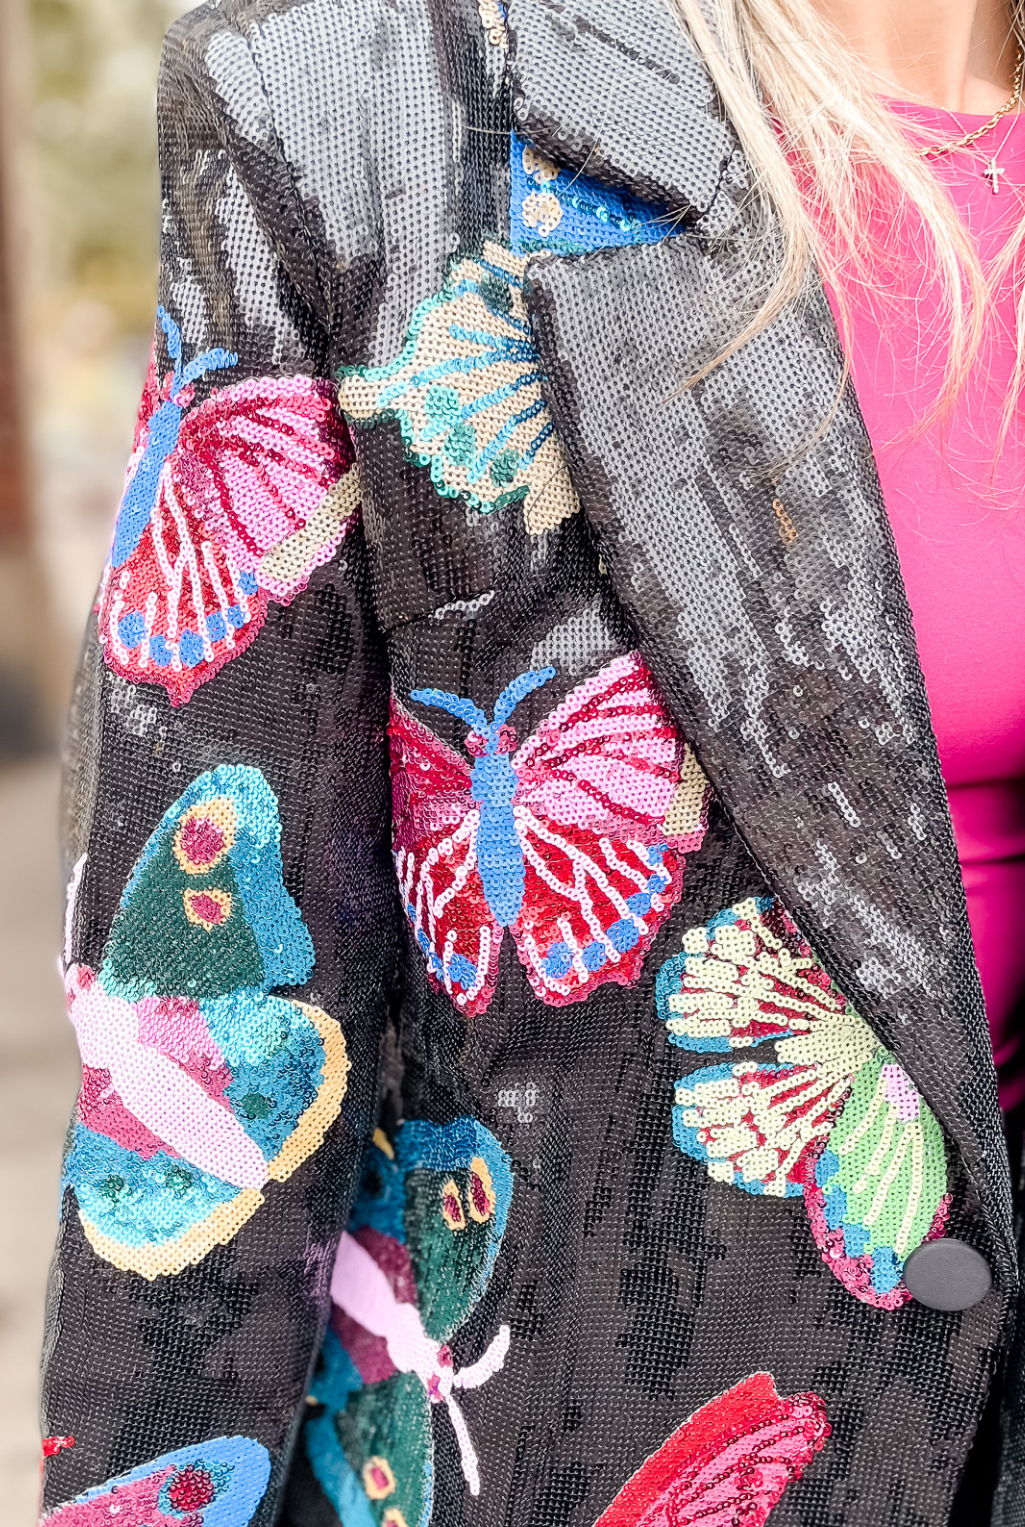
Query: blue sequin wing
[(554, 208), (205, 911), (218, 1483), (277, 1085)]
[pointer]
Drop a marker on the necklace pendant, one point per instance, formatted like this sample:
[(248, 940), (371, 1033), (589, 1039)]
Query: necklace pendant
[(992, 172)]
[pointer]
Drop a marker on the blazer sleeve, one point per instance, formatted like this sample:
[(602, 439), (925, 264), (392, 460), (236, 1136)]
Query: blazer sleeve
[(230, 926)]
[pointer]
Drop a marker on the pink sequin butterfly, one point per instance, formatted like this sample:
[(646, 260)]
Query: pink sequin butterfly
[(727, 1465), (225, 507), (574, 840)]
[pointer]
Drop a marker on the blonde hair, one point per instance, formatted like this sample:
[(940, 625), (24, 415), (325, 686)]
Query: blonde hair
[(824, 149)]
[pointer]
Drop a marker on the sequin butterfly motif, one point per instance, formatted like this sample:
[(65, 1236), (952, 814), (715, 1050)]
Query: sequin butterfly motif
[(226, 506), (832, 1117), (199, 1084), (727, 1465), (412, 1266), (466, 392), (574, 841), (218, 1483)]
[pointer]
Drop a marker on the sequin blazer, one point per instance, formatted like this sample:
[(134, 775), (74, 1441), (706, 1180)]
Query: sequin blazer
[(534, 1072)]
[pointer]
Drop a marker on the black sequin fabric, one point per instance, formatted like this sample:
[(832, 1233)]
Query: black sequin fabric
[(515, 937)]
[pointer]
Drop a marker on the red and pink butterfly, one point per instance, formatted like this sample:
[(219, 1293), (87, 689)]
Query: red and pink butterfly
[(574, 840), (728, 1465), (225, 507)]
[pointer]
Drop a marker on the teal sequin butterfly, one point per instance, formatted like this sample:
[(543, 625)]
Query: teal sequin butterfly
[(199, 1084), (466, 392), (832, 1117), (414, 1262)]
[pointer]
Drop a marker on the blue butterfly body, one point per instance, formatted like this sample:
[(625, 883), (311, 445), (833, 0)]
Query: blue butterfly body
[(499, 855), (493, 785), (162, 431)]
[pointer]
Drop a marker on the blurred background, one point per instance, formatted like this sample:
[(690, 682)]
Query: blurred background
[(78, 235)]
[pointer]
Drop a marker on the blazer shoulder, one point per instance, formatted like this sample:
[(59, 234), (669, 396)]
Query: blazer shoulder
[(261, 64), (314, 75), (336, 117)]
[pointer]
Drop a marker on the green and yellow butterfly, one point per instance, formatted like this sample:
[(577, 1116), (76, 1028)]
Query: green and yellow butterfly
[(831, 1117)]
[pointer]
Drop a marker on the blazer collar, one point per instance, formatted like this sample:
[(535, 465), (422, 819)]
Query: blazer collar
[(769, 604), (615, 90)]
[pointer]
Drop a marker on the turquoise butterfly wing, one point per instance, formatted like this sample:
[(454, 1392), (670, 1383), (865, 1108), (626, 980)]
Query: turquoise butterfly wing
[(424, 1235), (177, 931), (466, 392), (200, 1083)]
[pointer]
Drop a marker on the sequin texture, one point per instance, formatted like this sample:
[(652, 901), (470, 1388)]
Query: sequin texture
[(199, 1084), (533, 725), (831, 1118), (226, 505), (575, 840), (466, 391)]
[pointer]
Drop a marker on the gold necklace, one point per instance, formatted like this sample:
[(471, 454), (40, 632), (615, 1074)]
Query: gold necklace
[(992, 170)]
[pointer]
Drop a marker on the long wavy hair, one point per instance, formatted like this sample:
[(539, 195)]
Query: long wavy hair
[(828, 155)]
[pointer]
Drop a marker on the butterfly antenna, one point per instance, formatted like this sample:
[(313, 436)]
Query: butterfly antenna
[(210, 360), (464, 710), (520, 687), (467, 1454), (478, 1373), (173, 335)]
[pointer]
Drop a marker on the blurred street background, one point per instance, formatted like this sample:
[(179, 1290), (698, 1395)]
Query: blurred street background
[(78, 233)]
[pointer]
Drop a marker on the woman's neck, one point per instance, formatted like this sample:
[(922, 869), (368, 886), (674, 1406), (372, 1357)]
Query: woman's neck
[(952, 53)]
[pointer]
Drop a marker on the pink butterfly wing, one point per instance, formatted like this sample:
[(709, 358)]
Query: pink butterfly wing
[(434, 842), (189, 608), (728, 1464), (608, 758), (254, 463), (603, 838), (248, 504)]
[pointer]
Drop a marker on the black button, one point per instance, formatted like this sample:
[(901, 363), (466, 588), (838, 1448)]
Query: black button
[(947, 1275)]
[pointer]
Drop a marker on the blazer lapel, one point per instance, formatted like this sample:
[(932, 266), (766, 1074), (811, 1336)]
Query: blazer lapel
[(743, 528), (615, 91)]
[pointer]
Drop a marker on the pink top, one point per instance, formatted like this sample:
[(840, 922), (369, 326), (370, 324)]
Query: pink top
[(960, 535)]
